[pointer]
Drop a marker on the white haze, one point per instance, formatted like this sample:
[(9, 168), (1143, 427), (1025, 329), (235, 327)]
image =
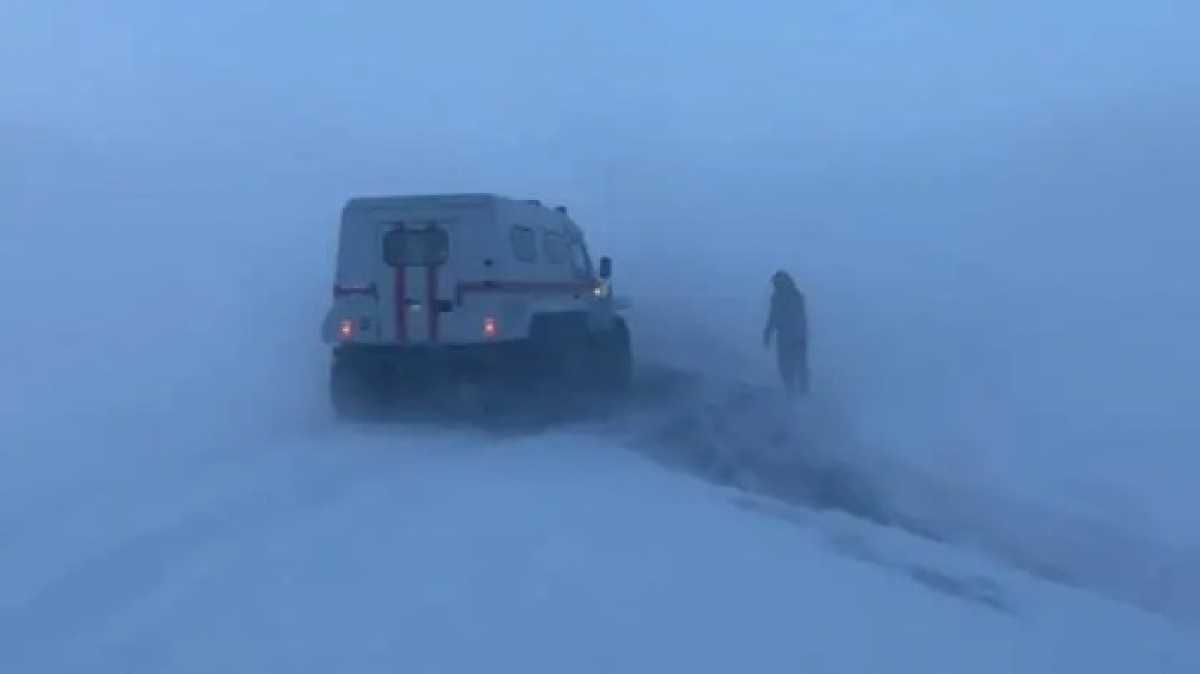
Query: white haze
[(991, 210)]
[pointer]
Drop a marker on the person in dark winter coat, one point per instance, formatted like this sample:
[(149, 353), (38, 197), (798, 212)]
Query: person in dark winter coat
[(788, 324)]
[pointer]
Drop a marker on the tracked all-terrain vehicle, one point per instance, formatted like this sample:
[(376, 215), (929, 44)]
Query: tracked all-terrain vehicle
[(438, 294)]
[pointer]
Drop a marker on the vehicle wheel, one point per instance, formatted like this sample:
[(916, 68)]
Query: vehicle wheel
[(357, 390), (564, 355), (615, 371), (474, 396), (579, 365)]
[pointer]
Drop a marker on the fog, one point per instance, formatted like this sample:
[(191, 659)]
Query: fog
[(991, 210)]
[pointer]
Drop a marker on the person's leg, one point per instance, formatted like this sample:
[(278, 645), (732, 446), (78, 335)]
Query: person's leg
[(787, 368), (802, 366)]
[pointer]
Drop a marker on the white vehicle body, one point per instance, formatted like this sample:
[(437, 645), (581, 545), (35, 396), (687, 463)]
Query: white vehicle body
[(505, 262), (427, 279)]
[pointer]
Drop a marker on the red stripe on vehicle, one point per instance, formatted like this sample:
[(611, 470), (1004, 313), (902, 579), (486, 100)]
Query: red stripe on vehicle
[(522, 287), (401, 305), (343, 291), (431, 301)]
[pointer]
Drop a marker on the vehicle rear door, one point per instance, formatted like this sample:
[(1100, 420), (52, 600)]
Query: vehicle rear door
[(415, 251)]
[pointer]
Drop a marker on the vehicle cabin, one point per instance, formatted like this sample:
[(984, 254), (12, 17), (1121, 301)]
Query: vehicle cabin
[(458, 270)]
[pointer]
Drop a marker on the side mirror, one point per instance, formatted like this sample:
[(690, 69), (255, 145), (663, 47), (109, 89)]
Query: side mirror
[(605, 268)]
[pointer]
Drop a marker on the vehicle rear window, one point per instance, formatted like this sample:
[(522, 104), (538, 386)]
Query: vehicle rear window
[(524, 243), (556, 247), (405, 247)]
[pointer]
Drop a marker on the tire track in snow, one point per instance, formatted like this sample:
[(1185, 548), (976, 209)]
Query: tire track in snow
[(970, 587), (744, 437)]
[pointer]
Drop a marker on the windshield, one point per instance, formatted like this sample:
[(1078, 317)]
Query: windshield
[(403, 247)]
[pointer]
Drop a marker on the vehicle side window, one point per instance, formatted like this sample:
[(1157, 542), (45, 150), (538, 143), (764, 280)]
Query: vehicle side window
[(556, 247), (581, 264), (524, 243)]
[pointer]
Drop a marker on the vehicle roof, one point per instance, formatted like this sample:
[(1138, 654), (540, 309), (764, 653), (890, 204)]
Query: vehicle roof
[(453, 201), (460, 200)]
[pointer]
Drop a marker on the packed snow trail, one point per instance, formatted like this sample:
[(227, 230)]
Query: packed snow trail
[(145, 548), (806, 453)]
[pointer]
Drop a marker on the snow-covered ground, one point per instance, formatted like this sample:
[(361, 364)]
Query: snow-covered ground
[(175, 498), (201, 544), (990, 209)]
